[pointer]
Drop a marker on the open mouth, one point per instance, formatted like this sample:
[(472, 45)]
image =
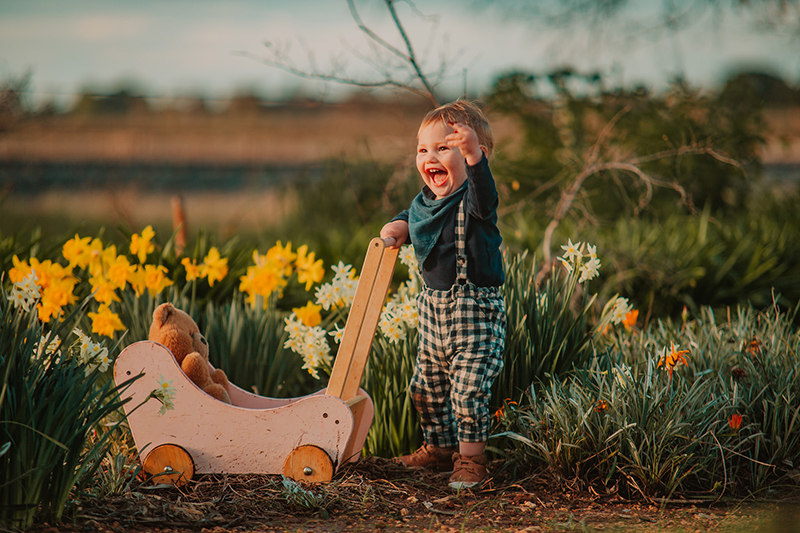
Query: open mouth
[(438, 176)]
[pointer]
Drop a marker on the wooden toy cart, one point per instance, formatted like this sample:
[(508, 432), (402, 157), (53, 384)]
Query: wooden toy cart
[(304, 438)]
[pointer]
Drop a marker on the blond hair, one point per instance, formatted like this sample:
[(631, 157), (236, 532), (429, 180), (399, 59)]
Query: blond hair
[(467, 113)]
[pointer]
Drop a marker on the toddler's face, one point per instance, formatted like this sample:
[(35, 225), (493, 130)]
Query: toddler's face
[(441, 166)]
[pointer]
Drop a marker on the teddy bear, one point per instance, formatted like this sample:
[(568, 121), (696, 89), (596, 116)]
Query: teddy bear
[(178, 331)]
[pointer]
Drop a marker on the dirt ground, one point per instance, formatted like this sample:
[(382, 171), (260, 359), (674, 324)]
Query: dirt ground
[(377, 495)]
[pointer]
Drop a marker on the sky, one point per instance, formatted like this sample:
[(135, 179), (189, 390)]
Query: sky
[(211, 48)]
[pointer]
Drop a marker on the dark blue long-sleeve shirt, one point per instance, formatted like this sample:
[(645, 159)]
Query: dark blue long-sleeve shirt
[(484, 259)]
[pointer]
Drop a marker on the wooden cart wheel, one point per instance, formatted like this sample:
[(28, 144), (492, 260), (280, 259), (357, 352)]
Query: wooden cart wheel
[(169, 463), (308, 463)]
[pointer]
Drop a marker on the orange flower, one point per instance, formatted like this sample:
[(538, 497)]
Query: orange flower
[(501, 413), (735, 422), (672, 358), (630, 319), (600, 406), (754, 347)]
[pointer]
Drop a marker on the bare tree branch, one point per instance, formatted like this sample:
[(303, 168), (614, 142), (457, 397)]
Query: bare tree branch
[(374, 36), (390, 67), (630, 166), (411, 56)]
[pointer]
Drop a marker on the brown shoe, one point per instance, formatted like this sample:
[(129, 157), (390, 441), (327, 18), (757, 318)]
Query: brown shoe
[(468, 471), (432, 457)]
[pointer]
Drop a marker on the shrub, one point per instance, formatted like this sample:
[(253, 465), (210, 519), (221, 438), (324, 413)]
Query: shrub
[(649, 418)]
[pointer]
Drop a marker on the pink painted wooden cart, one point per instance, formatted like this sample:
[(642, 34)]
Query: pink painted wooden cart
[(304, 438)]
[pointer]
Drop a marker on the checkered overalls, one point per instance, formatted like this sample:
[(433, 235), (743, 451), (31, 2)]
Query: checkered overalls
[(460, 353)]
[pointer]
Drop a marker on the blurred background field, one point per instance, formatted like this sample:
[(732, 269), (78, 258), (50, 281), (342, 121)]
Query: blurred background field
[(329, 174)]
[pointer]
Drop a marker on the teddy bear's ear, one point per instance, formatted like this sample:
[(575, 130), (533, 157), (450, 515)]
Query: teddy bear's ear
[(162, 314)]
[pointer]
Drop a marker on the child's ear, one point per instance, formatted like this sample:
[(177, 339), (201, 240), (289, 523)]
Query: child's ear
[(485, 151)]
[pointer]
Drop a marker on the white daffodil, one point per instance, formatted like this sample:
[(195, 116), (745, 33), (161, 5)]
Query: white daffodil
[(293, 344), (294, 327), (324, 296), (47, 346), (164, 394), (341, 270), (409, 312), (572, 251), (567, 265), (103, 359), (340, 291), (409, 258), (621, 308), (19, 300), (337, 334), (589, 270)]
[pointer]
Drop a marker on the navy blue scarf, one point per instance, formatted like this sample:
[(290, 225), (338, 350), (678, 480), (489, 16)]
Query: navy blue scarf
[(426, 218)]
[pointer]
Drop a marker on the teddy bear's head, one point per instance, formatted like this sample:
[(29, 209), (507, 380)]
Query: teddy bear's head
[(178, 331)]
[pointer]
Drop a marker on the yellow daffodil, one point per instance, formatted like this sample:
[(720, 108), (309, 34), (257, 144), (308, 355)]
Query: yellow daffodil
[(214, 267), (42, 269), (76, 251), (155, 279), (282, 257), (53, 282), (59, 292), (104, 322), (192, 270), (103, 290), (309, 314), (137, 277), (118, 271), (47, 310), (263, 278), (57, 272), (309, 269), (94, 263), (258, 282), (141, 245), (102, 259), (19, 271)]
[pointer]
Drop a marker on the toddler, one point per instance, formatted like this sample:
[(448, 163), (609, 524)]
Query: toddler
[(452, 224)]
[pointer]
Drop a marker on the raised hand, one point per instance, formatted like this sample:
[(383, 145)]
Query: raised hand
[(466, 140)]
